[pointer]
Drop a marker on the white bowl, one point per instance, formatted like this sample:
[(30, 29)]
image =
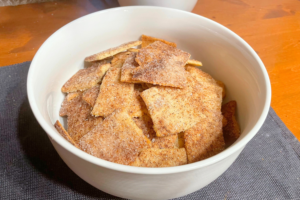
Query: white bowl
[(224, 55), (186, 5)]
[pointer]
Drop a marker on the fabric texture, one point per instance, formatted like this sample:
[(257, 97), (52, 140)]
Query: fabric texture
[(30, 168)]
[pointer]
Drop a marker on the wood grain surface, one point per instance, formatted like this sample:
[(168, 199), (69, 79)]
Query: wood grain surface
[(271, 27)]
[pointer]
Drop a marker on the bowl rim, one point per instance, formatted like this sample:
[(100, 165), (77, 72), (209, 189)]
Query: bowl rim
[(142, 170)]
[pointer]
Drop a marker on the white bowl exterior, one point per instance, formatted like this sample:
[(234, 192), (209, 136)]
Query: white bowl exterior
[(144, 187), (186, 5), (223, 54)]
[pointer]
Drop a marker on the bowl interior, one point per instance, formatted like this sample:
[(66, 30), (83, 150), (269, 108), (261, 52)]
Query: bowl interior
[(224, 55)]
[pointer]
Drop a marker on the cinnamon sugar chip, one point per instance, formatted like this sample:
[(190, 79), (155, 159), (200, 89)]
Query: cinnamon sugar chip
[(133, 50), (127, 68), (98, 62), (167, 142), (61, 130), (232, 129), (222, 85), (147, 40), (180, 140), (90, 95), (145, 123), (161, 158), (205, 139), (194, 62), (161, 64), (85, 78), (138, 106), (119, 59), (116, 139), (72, 95), (113, 94), (68, 103), (79, 120), (174, 110), (224, 122), (113, 51)]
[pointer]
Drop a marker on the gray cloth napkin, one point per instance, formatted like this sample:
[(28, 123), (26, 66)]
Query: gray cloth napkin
[(30, 168)]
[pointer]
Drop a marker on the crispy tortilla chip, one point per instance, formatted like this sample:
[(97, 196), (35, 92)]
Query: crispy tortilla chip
[(205, 139), (99, 62), (147, 40), (232, 129), (180, 140), (68, 103), (127, 68), (133, 50), (222, 85), (145, 123), (90, 95), (79, 119), (161, 64), (61, 130), (138, 106), (113, 94), (116, 139), (85, 78), (194, 62), (111, 52), (119, 59), (174, 110), (81, 124), (72, 95), (161, 158), (168, 142), (224, 122)]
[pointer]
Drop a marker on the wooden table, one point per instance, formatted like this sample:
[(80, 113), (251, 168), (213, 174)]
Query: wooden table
[(271, 27)]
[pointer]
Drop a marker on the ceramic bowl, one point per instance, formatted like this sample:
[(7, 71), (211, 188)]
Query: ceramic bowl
[(224, 55), (186, 5)]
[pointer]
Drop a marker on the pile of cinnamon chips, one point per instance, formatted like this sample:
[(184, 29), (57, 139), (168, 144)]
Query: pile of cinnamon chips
[(147, 107)]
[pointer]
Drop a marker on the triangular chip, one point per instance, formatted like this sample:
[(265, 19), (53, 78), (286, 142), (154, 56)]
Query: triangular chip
[(161, 64), (194, 62), (168, 142), (145, 123), (90, 95), (111, 52), (113, 94), (133, 50), (61, 130), (205, 139), (138, 106), (85, 78), (127, 68), (98, 62), (147, 40), (119, 59), (174, 110), (68, 103), (79, 120), (116, 139), (161, 158), (232, 129)]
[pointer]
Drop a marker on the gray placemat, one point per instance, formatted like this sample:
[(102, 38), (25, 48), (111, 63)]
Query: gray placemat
[(30, 168)]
